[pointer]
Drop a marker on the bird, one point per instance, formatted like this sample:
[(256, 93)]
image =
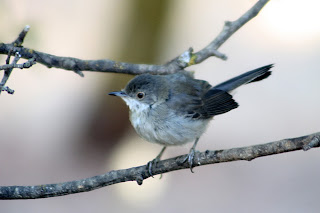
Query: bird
[(175, 109)]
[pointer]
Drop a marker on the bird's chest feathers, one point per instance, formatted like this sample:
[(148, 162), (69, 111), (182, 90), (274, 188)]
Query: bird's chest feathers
[(143, 120), (157, 124), (138, 113)]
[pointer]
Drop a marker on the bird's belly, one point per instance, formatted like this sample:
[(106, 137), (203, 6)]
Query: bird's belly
[(173, 130)]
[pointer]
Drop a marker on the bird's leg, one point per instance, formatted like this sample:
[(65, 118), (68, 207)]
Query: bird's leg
[(191, 154), (154, 162)]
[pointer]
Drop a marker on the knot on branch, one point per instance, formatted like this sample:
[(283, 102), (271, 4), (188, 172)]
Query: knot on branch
[(187, 58)]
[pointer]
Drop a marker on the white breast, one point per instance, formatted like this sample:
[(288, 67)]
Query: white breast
[(167, 129)]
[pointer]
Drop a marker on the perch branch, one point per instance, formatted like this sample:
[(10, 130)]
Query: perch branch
[(186, 59), (141, 173)]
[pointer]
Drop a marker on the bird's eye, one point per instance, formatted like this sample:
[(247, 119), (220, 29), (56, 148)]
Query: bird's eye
[(140, 95)]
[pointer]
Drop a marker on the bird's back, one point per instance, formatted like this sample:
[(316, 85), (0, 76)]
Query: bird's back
[(196, 99)]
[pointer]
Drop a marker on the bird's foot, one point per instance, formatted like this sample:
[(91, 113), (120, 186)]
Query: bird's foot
[(190, 158), (152, 164)]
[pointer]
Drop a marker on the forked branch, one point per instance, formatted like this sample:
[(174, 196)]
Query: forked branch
[(186, 59)]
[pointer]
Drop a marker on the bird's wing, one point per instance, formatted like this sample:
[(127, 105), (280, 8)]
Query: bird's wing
[(193, 98)]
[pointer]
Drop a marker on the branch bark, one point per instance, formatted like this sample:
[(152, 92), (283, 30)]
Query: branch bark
[(27, 64), (141, 173), (186, 59), (9, 67), (7, 73)]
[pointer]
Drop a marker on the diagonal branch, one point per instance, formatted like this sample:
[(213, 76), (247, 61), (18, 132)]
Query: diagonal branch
[(186, 59), (230, 27), (141, 173)]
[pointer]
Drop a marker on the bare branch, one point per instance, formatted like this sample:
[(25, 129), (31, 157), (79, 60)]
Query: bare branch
[(105, 65), (140, 173), (7, 73), (7, 89), (26, 64), (9, 67), (228, 30), (18, 42)]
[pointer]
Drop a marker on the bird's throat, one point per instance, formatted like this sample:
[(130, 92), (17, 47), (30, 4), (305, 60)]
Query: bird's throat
[(136, 106)]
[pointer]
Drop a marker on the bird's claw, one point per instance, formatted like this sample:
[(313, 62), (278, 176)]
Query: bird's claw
[(190, 158), (152, 164)]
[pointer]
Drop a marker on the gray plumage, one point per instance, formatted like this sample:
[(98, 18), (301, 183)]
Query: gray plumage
[(175, 109)]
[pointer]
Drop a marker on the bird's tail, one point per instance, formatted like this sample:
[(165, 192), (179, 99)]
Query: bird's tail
[(246, 78)]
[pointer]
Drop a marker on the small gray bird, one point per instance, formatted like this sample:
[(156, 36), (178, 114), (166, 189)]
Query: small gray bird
[(175, 109)]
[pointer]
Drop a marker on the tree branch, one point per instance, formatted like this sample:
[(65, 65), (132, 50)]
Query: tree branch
[(26, 64), (186, 59), (7, 73), (9, 67), (230, 27), (141, 173), (18, 42)]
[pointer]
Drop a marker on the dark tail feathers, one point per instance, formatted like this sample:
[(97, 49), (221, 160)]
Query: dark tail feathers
[(246, 78)]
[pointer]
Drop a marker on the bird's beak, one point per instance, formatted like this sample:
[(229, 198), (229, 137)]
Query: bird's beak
[(119, 94)]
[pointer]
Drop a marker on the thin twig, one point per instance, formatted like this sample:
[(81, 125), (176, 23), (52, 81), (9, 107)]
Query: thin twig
[(8, 90), (18, 42), (9, 67), (7, 74), (229, 29), (105, 65), (26, 64), (141, 173)]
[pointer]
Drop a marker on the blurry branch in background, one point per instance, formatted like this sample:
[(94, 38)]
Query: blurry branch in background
[(186, 59), (141, 173)]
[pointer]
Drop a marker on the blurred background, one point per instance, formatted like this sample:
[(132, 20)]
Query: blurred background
[(60, 127)]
